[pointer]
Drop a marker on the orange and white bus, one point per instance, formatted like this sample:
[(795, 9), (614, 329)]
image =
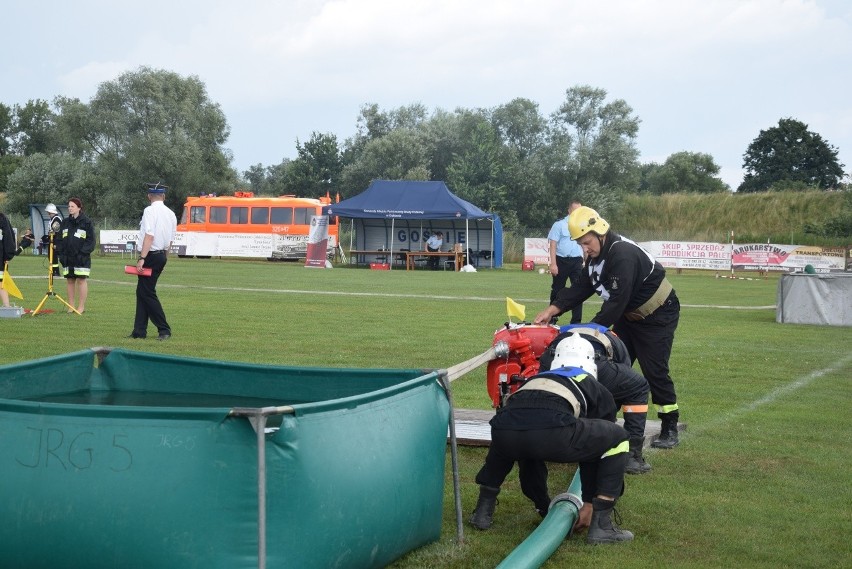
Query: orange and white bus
[(246, 226)]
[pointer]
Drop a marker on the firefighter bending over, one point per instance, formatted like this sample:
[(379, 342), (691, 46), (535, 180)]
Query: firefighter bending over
[(561, 415)]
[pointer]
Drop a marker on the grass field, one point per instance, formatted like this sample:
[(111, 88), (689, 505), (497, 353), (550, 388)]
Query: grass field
[(761, 479)]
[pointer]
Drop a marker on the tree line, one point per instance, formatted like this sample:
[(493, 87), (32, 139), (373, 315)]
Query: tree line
[(152, 125)]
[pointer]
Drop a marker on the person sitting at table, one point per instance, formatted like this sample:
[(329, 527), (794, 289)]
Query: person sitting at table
[(433, 245)]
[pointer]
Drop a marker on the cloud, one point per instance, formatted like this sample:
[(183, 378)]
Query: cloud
[(702, 76), (82, 82)]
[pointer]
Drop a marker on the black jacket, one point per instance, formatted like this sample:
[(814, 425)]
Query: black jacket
[(535, 409), (624, 275), (8, 246), (76, 241)]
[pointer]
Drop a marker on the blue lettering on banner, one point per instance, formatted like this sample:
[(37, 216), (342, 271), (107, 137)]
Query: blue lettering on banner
[(402, 236), (415, 236)]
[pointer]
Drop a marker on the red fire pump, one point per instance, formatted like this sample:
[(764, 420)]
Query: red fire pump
[(527, 343)]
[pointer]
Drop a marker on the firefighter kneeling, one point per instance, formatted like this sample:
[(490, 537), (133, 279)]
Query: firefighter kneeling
[(562, 415)]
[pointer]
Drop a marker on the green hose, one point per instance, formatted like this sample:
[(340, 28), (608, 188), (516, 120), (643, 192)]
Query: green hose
[(549, 535)]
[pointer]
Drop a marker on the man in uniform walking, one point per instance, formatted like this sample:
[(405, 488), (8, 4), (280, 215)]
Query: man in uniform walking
[(156, 233)]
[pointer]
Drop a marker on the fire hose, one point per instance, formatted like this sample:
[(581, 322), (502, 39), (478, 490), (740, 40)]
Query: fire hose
[(551, 532)]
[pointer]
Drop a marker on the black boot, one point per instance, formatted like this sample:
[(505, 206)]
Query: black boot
[(635, 461), (601, 528), (668, 431), (484, 511)]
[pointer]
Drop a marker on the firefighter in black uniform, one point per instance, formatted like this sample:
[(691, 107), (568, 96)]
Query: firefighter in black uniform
[(638, 302), (628, 388), (561, 415), (74, 246)]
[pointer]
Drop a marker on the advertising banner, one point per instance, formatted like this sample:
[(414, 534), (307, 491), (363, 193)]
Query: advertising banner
[(787, 258), (317, 251), (723, 256), (537, 250), (690, 255), (120, 241), (247, 245)]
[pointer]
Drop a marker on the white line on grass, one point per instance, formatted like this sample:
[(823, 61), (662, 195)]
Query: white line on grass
[(766, 307), (400, 295), (773, 395)]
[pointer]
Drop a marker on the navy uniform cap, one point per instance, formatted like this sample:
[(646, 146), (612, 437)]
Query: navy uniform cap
[(157, 188)]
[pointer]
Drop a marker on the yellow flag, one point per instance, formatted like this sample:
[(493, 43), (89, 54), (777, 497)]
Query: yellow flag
[(515, 309), (9, 285)]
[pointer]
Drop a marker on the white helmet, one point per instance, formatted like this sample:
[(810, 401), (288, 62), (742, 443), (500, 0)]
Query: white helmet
[(50, 208), (575, 351)]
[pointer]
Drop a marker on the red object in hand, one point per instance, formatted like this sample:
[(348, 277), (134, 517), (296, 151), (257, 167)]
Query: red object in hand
[(132, 270)]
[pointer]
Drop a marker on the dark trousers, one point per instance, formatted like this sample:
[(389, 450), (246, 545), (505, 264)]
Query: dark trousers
[(628, 388), (584, 442), (650, 341), (569, 269), (148, 306), (433, 261)]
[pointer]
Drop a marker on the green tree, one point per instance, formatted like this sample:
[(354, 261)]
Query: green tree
[(443, 135), (373, 123), (35, 128), (475, 174), (683, 172), (8, 162), (257, 179), (317, 168), (520, 126), (148, 126), (43, 178), (789, 153), (496, 164), (592, 150), (399, 155)]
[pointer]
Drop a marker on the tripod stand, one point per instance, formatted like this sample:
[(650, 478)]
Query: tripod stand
[(50, 292)]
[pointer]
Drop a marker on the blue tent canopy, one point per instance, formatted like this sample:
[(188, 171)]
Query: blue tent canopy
[(410, 211), (407, 200)]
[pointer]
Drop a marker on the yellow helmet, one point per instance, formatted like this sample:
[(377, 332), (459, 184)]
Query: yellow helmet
[(585, 219)]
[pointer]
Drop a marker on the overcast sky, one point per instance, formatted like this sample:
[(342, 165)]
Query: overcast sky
[(702, 75)]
